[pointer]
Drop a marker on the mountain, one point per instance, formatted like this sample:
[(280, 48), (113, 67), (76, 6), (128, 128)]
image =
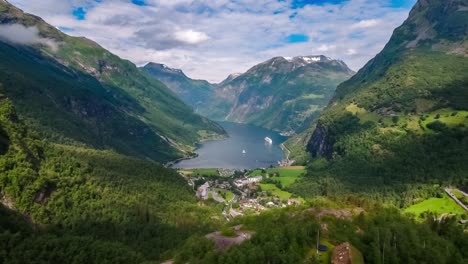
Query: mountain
[(73, 204), (195, 93), (63, 199), (231, 77), (80, 131), (205, 98), (283, 93), (71, 90), (403, 117)]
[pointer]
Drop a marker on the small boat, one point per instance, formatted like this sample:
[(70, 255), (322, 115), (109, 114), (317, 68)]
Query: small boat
[(243, 151), (268, 140)]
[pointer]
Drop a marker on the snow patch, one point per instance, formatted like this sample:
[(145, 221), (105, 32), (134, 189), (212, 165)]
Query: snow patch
[(311, 59)]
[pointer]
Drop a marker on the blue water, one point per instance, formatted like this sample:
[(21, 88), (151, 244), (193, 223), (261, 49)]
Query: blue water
[(228, 153)]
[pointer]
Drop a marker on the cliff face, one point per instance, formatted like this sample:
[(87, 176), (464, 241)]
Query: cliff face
[(320, 144)]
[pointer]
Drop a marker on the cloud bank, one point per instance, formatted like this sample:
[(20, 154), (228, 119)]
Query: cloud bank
[(209, 39), (19, 34)]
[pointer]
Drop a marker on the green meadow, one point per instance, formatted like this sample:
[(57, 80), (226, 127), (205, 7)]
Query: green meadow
[(201, 172), (275, 191), (444, 205), (227, 195), (286, 175)]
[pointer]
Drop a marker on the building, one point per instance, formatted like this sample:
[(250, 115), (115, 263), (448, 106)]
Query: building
[(202, 192), (245, 181), (342, 254)]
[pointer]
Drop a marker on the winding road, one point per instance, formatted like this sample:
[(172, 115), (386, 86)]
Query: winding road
[(448, 191)]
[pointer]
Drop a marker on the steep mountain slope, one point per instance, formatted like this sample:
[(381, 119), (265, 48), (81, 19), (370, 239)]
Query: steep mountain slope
[(205, 98), (69, 110), (283, 94), (71, 204), (403, 117), (195, 93), (72, 90)]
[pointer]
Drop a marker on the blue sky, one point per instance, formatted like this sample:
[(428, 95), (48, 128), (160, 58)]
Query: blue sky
[(209, 39)]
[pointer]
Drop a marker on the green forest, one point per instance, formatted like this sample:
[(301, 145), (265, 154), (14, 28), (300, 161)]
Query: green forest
[(78, 205), (84, 135)]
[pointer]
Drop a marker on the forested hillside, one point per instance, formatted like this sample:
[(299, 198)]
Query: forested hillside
[(74, 204), (72, 90), (290, 236), (81, 132), (403, 117)]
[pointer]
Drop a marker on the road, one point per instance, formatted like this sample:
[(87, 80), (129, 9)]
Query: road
[(286, 150), (447, 190)]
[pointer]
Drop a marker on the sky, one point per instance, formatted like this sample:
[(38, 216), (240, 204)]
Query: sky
[(210, 39)]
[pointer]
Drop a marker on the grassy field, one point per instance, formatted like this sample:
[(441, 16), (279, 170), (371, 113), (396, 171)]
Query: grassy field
[(416, 123), (200, 172), (287, 175), (437, 205), (229, 194), (362, 113), (324, 257), (275, 191), (448, 116), (356, 256)]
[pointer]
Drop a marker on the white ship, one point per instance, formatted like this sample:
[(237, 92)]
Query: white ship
[(243, 151), (268, 140)]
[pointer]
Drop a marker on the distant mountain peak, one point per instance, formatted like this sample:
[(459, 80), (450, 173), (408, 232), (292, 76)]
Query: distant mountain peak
[(234, 75), (300, 61), (309, 59), (164, 67), (287, 64)]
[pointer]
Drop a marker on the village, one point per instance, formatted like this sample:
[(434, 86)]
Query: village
[(245, 192)]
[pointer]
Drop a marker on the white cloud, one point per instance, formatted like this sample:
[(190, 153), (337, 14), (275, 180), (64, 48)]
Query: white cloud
[(366, 23), (210, 39), (19, 34), (351, 52), (190, 36), (324, 48)]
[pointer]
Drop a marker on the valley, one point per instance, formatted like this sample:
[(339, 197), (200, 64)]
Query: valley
[(294, 160), (281, 94), (244, 148)]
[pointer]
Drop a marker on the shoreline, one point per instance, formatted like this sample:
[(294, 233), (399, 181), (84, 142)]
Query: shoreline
[(169, 164), (192, 155)]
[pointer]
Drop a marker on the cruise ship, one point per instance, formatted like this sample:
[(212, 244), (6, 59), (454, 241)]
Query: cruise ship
[(268, 140)]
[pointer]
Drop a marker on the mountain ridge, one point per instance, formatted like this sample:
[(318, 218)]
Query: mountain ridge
[(299, 81), (300, 86), (409, 97), (156, 113)]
